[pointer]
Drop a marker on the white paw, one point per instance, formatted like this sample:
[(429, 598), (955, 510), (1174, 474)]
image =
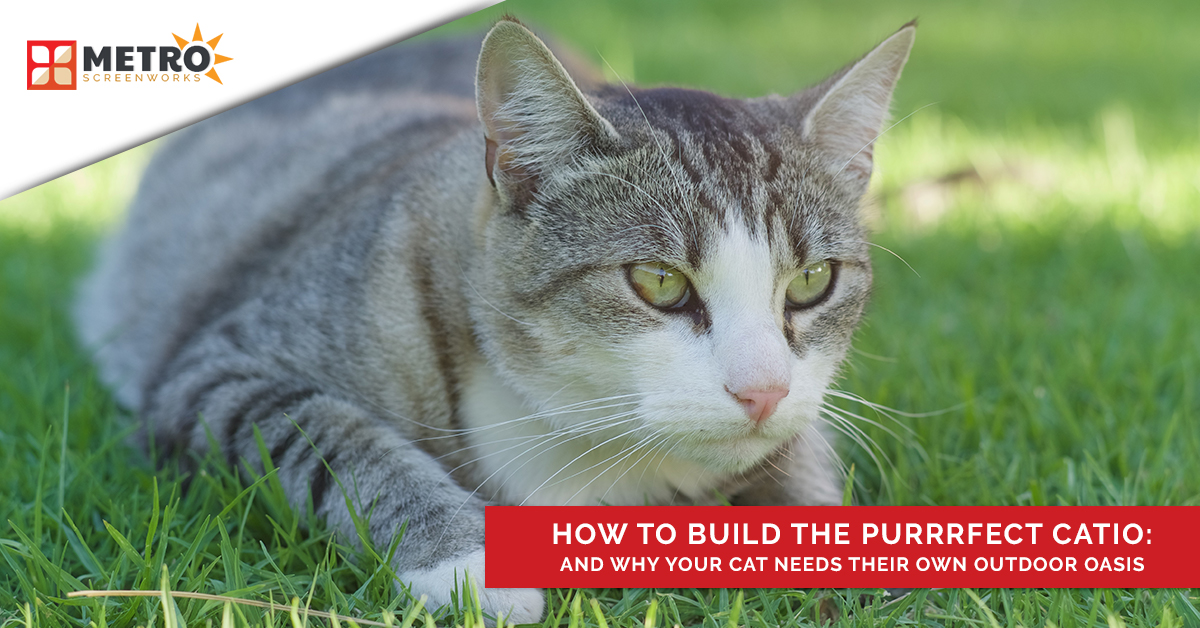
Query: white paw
[(520, 606)]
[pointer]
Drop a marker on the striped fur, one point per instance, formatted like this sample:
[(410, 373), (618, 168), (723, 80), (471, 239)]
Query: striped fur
[(416, 286)]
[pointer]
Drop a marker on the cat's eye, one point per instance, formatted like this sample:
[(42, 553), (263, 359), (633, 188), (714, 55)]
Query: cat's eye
[(811, 286), (660, 285)]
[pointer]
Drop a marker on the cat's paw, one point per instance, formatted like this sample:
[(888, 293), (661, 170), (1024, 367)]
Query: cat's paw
[(521, 606)]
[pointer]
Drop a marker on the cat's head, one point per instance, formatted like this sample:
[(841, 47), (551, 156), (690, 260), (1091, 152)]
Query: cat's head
[(695, 263)]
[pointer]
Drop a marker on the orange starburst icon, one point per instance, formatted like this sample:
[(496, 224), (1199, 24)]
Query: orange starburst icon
[(211, 48)]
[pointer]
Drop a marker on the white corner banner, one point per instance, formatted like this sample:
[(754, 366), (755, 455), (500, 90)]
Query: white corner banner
[(81, 81)]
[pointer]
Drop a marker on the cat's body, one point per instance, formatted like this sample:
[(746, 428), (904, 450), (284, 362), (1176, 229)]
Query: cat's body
[(449, 311)]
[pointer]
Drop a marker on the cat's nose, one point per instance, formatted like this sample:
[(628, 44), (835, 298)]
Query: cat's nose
[(760, 404)]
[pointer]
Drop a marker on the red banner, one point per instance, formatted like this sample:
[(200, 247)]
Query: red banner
[(883, 546)]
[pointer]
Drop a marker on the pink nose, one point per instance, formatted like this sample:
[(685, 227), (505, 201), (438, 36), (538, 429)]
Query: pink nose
[(760, 404)]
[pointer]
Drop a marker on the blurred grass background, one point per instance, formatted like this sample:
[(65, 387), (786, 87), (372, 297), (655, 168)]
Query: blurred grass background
[(1043, 183)]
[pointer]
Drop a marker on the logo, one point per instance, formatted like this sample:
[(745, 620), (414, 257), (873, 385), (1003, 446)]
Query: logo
[(202, 52), (50, 64), (54, 64)]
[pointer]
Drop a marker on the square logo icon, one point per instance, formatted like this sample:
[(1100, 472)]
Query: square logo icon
[(50, 64)]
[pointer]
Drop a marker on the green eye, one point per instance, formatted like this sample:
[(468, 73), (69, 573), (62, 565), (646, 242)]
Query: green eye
[(659, 284), (811, 285)]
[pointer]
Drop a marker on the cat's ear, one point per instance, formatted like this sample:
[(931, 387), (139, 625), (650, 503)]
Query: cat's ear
[(535, 119), (845, 114)]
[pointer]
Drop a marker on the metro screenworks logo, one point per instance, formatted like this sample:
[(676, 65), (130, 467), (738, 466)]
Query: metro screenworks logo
[(53, 64)]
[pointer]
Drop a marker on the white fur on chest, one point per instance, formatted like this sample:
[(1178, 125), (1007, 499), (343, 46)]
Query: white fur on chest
[(524, 460)]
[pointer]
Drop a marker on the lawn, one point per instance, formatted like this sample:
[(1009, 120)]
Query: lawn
[(1035, 326)]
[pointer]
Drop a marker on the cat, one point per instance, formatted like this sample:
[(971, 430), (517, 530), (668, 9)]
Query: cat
[(448, 275)]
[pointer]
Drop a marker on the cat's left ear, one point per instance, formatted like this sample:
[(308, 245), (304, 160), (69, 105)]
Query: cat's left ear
[(851, 105), (535, 119)]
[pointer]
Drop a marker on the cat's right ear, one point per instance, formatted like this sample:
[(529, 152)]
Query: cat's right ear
[(535, 119), (844, 115)]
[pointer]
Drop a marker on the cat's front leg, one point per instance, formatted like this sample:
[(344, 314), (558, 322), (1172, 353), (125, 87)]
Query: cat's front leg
[(400, 483), (326, 448)]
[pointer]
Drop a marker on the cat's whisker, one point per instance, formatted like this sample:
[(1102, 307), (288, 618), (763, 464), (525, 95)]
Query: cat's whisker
[(626, 451), (494, 473), (584, 403), (547, 438), (607, 426), (771, 475), (678, 487), (665, 456), (581, 406), (661, 454), (564, 387), (599, 475), (489, 303), (608, 423), (547, 414), (652, 452), (896, 255), (889, 410), (811, 430), (879, 466), (874, 356), (664, 438), (881, 411), (885, 411), (575, 428), (585, 406), (864, 441), (882, 248), (542, 439), (845, 418), (852, 431), (577, 458), (767, 472), (566, 430), (776, 467), (852, 415)]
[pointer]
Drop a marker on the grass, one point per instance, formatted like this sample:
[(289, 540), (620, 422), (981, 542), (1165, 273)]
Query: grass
[(1047, 203)]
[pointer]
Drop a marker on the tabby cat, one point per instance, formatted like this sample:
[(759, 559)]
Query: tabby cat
[(438, 278)]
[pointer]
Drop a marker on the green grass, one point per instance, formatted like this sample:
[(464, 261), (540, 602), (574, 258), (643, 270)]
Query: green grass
[(1048, 203)]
